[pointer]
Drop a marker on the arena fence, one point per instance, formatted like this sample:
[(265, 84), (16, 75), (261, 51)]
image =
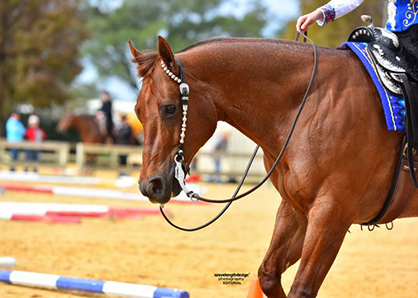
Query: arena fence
[(94, 156), (121, 157), (53, 153)]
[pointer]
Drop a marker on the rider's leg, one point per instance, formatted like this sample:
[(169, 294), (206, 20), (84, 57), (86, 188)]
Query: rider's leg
[(409, 41)]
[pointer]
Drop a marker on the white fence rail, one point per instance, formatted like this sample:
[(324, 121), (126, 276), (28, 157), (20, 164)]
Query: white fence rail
[(106, 156), (57, 152), (101, 156)]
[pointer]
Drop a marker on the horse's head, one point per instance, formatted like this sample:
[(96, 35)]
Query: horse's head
[(160, 111), (66, 122)]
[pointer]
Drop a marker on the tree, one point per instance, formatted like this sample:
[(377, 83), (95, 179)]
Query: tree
[(332, 35), (39, 48), (182, 22)]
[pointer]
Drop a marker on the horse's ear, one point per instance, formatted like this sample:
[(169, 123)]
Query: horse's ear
[(134, 51), (165, 53)]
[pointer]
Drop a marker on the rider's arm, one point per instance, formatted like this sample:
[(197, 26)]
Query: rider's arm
[(327, 13), (336, 9)]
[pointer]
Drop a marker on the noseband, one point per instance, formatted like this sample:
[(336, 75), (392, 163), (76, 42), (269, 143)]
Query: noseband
[(179, 159)]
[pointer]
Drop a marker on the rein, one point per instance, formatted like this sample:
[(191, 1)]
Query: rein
[(179, 158)]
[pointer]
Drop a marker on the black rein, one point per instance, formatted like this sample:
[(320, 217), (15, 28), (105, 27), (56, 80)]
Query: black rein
[(235, 195)]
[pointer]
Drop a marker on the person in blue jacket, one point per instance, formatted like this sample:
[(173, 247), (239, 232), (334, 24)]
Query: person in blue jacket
[(15, 131), (402, 20)]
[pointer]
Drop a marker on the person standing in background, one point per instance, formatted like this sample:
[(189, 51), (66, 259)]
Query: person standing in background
[(36, 135), (100, 119), (124, 137), (107, 110), (220, 147), (15, 131)]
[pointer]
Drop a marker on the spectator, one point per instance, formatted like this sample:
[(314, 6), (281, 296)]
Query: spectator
[(124, 137), (220, 146), (107, 110), (15, 131), (101, 122), (33, 134)]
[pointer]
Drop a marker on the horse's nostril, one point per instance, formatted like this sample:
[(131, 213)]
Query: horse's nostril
[(156, 186)]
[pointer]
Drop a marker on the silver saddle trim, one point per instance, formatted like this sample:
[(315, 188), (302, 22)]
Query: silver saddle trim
[(380, 58), (388, 80)]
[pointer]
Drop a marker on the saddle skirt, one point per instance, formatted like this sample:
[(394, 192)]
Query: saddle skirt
[(388, 55)]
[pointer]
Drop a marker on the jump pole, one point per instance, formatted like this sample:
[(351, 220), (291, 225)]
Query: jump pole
[(76, 210), (97, 193), (40, 218), (49, 281), (7, 262), (32, 177)]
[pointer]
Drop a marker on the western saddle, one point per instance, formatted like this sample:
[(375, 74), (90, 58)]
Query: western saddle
[(398, 72)]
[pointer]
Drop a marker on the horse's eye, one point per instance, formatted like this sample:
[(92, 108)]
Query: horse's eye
[(170, 109)]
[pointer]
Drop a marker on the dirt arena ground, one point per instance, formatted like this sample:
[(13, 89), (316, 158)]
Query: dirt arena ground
[(148, 251)]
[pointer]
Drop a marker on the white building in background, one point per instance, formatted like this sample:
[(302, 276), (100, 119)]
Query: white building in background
[(239, 144), (119, 106)]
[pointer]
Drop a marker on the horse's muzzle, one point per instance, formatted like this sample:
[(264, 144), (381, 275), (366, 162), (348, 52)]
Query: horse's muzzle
[(159, 189)]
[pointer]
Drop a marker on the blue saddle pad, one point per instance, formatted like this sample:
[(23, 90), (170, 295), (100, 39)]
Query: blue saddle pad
[(393, 106)]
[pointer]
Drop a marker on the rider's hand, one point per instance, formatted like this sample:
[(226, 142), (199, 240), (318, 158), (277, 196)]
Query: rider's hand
[(308, 19)]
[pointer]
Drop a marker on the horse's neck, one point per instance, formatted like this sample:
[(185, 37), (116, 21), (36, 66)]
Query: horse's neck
[(258, 87), (81, 124)]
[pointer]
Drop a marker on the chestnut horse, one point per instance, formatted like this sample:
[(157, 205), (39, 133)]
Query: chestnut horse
[(337, 169), (86, 126)]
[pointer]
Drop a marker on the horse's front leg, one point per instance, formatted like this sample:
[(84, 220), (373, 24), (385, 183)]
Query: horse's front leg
[(285, 249), (328, 222)]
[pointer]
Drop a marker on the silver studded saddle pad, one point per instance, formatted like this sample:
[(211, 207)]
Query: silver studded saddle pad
[(389, 57)]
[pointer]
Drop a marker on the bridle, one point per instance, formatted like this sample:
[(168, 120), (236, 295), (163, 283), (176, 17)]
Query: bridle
[(179, 159)]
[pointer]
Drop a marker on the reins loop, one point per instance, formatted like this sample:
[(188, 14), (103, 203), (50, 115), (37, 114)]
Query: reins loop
[(179, 158)]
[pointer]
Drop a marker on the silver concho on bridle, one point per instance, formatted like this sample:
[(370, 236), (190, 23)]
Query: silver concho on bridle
[(179, 173)]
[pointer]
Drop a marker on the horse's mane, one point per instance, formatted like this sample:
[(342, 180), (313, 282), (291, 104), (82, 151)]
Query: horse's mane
[(228, 40), (247, 40), (147, 61)]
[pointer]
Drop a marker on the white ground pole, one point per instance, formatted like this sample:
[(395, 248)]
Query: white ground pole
[(8, 209), (49, 281), (115, 194), (100, 193), (8, 262), (34, 177)]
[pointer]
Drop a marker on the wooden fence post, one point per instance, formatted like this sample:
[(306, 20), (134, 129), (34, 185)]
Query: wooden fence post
[(63, 154), (79, 156)]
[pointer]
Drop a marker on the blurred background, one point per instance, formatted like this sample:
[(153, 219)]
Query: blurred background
[(56, 52), (59, 56), (69, 201)]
